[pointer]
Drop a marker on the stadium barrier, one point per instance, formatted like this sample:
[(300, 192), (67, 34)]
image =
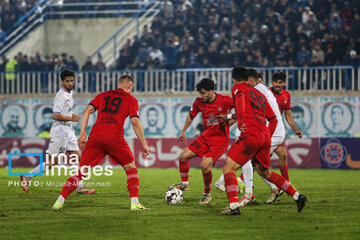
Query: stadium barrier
[(179, 80), (331, 153)]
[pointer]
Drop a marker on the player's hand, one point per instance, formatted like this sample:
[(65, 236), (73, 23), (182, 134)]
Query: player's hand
[(243, 128), (146, 150), (181, 137), (222, 118), (75, 118), (299, 133), (82, 140)]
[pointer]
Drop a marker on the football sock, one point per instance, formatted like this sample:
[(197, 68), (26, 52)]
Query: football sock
[(284, 171), (134, 200), (232, 187), (70, 185), (184, 167), (221, 179), (207, 182), (37, 170), (248, 177), (282, 183), (80, 185), (61, 200), (132, 182)]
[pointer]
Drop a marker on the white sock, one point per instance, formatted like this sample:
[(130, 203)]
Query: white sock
[(61, 200), (135, 200), (36, 170), (272, 186), (296, 196), (248, 176), (80, 185), (234, 205), (185, 183), (221, 179)]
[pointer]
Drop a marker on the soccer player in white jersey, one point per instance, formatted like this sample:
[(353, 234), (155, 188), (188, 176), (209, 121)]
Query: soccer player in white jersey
[(276, 140), (62, 134)]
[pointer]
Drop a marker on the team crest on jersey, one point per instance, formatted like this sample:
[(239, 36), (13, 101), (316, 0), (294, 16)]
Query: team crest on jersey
[(285, 101), (220, 109), (334, 153)]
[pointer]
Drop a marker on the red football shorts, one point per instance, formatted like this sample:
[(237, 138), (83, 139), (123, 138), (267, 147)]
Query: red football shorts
[(98, 146), (256, 147), (201, 148)]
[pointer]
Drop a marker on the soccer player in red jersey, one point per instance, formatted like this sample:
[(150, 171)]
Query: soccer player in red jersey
[(212, 143), (283, 99), (252, 110), (107, 137)]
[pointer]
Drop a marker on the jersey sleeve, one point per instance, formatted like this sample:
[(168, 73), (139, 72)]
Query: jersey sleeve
[(288, 104), (194, 109), (134, 108), (95, 102), (59, 105), (269, 113)]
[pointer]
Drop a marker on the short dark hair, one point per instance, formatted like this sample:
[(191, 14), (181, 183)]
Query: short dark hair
[(206, 83), (240, 74), (253, 73), (66, 73), (259, 75), (279, 76)]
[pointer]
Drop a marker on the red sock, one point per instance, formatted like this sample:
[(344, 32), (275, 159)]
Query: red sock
[(184, 167), (284, 171), (70, 185), (242, 177), (207, 181), (231, 187), (282, 183), (132, 182)]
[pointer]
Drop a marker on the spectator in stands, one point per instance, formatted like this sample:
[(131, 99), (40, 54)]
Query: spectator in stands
[(303, 56), (88, 66), (63, 63), (330, 56), (100, 65), (353, 60), (170, 54), (318, 53), (73, 64), (156, 53)]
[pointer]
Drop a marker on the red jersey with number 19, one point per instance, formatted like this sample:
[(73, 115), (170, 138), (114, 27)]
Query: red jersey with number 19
[(113, 106), (214, 130), (254, 108)]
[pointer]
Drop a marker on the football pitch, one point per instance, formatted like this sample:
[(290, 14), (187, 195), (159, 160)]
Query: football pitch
[(332, 210)]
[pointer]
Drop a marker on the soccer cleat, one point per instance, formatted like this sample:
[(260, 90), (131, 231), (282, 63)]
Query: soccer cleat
[(274, 196), (300, 203), (205, 199), (246, 201), (57, 206), (138, 207), (220, 186), (229, 211), (181, 186), (24, 183), (85, 191)]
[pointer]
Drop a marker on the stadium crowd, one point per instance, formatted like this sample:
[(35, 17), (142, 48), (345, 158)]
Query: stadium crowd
[(258, 33)]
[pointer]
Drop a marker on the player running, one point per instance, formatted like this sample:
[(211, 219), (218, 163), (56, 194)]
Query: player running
[(276, 140), (283, 99), (252, 110), (107, 137), (62, 135), (212, 143)]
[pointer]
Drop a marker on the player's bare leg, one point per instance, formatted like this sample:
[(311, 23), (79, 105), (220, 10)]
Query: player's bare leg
[(184, 167), (282, 183), (206, 165), (80, 188), (133, 186), (232, 187)]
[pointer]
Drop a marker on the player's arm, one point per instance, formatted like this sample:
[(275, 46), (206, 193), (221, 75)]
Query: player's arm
[(271, 117), (290, 120), (188, 121), (240, 109), (59, 117), (138, 129), (84, 121)]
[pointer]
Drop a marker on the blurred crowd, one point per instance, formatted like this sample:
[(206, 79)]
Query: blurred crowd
[(254, 33)]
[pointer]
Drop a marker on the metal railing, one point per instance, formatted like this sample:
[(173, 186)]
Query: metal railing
[(111, 48), (179, 81)]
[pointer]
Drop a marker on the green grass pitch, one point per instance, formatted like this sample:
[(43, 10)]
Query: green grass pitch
[(332, 210)]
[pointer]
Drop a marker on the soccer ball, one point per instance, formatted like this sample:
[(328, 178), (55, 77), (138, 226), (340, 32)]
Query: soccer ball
[(174, 196)]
